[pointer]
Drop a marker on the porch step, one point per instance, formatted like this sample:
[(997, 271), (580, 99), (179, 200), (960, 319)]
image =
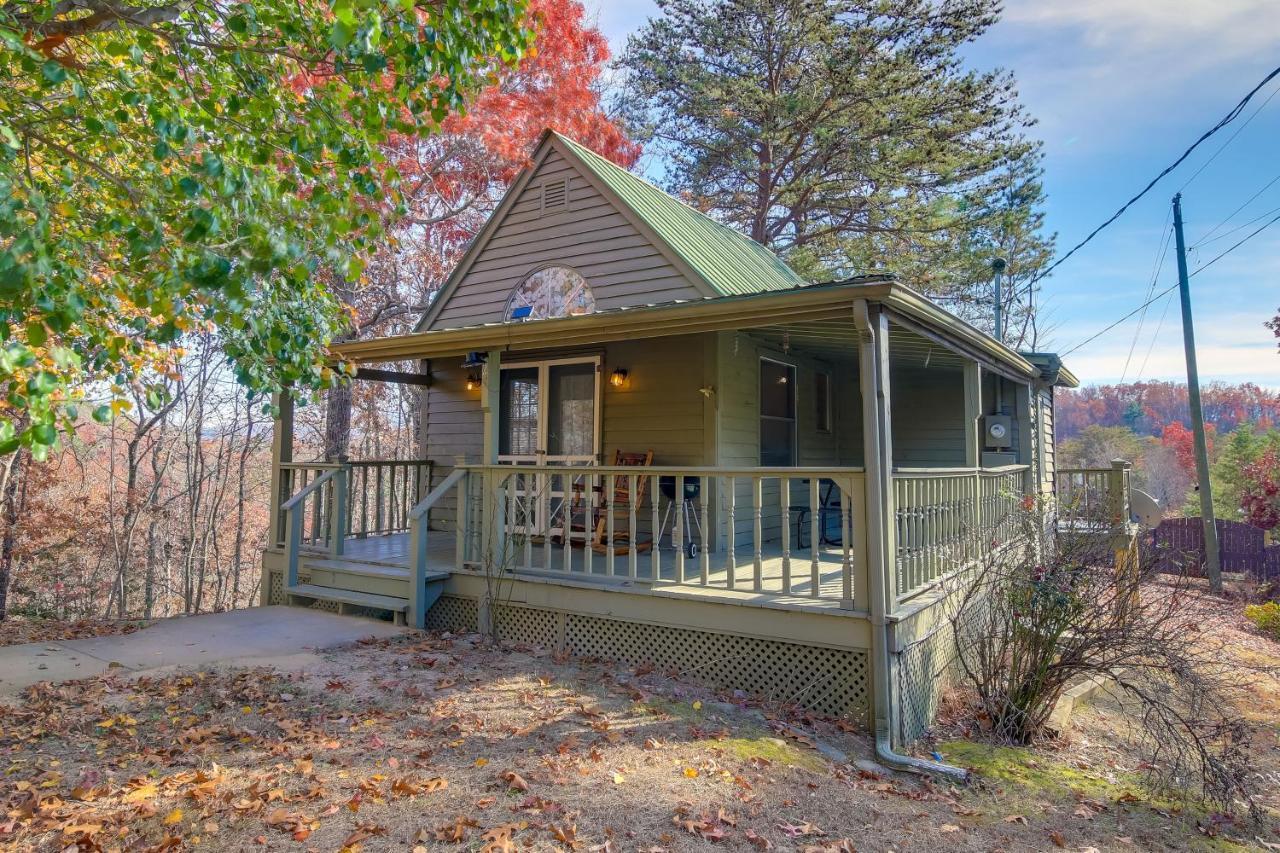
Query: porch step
[(353, 567), (350, 596)]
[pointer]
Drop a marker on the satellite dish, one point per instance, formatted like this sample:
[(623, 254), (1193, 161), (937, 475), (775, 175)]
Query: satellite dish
[(1145, 509)]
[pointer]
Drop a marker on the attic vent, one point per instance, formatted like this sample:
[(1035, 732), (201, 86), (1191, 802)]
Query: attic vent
[(555, 194)]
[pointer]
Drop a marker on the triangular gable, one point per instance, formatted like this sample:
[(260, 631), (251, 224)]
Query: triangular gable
[(622, 260), (633, 243)]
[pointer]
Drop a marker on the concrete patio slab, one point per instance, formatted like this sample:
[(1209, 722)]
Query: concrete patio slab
[(250, 636)]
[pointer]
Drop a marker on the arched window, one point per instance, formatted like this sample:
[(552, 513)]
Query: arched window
[(550, 292)]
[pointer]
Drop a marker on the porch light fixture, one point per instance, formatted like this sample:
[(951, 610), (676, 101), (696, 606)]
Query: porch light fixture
[(618, 378), (473, 381)]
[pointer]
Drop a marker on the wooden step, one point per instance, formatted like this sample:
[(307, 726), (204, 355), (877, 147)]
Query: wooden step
[(352, 567), (349, 596)]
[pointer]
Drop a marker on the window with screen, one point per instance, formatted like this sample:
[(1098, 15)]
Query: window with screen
[(777, 413), (822, 401)]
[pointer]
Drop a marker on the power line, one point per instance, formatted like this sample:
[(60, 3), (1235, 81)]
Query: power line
[(1238, 244), (1243, 225), (1155, 337), (1194, 272), (1093, 338), (1155, 276), (1230, 139), (1223, 122)]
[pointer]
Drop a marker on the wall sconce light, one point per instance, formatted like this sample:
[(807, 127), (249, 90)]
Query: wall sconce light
[(473, 381), (618, 378)]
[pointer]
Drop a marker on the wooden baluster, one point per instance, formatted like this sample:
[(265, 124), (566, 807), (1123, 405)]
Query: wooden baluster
[(846, 534), (566, 519), (378, 514), (678, 536), (731, 533), (608, 505), (816, 519), (784, 511), (655, 553), (757, 501), (589, 496), (704, 561), (545, 519), (462, 501), (631, 529), (525, 496)]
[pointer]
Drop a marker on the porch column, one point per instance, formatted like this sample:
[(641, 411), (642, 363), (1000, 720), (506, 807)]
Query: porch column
[(972, 414), (281, 453), (493, 525)]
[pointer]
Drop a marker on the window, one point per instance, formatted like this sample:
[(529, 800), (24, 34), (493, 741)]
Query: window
[(550, 292), (777, 413), (822, 401)]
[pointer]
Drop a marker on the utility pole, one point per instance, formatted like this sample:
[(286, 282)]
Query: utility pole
[(997, 267), (1212, 561)]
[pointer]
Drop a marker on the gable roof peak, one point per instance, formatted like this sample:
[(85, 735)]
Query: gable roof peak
[(727, 260)]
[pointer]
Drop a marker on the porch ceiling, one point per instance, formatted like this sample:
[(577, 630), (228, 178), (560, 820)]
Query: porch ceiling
[(837, 340)]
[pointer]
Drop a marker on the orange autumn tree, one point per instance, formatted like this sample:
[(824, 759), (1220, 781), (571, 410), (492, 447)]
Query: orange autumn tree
[(451, 182)]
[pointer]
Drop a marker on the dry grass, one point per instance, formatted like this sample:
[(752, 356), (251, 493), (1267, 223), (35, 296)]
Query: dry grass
[(440, 742)]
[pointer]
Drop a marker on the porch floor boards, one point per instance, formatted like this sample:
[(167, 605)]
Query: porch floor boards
[(392, 551)]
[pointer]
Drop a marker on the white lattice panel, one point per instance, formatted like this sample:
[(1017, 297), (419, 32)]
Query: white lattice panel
[(829, 681)]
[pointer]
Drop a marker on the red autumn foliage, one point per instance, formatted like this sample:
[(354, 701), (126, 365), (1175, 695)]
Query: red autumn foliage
[(452, 180), (1147, 407), (1260, 498), (1182, 442)]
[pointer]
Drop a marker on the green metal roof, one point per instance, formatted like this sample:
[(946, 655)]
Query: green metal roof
[(728, 261)]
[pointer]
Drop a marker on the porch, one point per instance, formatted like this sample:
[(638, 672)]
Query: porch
[(799, 468)]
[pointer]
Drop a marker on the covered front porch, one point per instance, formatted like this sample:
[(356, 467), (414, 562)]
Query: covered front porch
[(710, 449)]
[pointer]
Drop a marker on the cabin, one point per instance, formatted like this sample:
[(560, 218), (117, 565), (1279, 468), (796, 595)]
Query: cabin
[(644, 438)]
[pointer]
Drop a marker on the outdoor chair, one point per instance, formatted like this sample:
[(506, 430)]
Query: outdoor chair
[(619, 505)]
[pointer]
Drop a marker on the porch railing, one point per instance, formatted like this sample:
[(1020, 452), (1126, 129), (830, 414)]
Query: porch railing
[(379, 495), (945, 518), (1095, 499), (776, 531), (313, 517)]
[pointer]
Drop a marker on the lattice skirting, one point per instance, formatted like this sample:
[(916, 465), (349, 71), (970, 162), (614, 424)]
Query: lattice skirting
[(828, 681), (925, 670)]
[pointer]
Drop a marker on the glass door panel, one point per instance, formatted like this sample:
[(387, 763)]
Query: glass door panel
[(518, 415), (571, 412)]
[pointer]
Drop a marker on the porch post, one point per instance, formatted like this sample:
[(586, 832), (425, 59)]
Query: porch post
[(972, 414), (281, 453), (882, 592), (492, 523)]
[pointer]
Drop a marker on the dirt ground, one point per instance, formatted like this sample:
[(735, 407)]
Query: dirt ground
[(437, 742), (16, 630)]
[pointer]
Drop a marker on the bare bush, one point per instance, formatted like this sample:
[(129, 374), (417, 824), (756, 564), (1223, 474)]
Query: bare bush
[(1042, 614)]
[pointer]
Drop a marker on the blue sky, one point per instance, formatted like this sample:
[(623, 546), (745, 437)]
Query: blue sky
[(1120, 88)]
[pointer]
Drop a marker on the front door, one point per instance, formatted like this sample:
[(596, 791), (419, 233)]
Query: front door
[(549, 414)]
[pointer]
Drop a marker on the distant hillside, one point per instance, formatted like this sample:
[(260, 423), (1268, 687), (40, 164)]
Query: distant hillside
[(1145, 407)]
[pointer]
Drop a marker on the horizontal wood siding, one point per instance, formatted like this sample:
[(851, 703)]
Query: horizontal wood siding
[(619, 263), (1048, 439), (739, 354), (927, 410), (452, 426), (660, 407)]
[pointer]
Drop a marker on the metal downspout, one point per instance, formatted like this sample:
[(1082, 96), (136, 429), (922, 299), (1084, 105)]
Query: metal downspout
[(871, 381)]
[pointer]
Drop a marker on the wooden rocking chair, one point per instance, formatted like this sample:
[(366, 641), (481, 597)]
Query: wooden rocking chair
[(619, 504)]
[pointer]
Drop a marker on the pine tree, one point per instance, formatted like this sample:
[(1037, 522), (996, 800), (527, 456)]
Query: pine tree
[(846, 135)]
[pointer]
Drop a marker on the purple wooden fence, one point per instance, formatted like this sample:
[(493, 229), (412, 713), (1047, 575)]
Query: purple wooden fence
[(1179, 546)]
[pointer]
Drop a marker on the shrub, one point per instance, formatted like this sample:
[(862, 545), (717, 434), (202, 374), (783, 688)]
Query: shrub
[(1045, 612), (1266, 617)]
